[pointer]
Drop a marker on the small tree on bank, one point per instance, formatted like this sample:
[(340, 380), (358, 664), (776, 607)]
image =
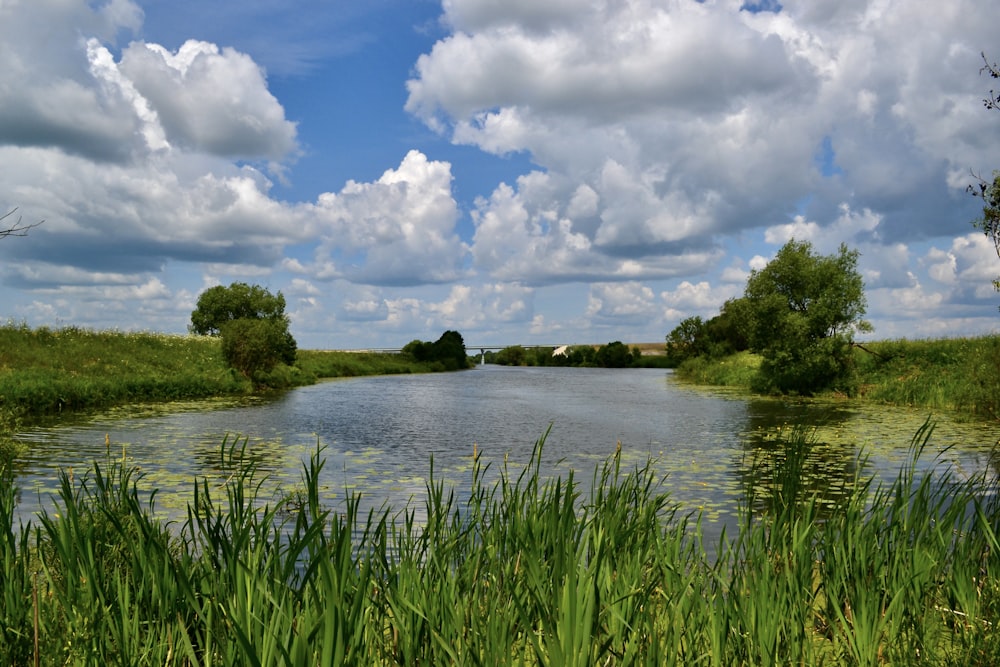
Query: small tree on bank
[(800, 313), (252, 324), (448, 350)]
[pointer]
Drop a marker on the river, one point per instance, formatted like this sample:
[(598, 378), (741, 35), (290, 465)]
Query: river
[(379, 434)]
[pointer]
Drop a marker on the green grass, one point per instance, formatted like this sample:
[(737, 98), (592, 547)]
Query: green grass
[(331, 364), (524, 570), (961, 375), (48, 371), (736, 370)]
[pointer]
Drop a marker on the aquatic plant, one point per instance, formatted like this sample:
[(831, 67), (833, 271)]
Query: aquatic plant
[(523, 569)]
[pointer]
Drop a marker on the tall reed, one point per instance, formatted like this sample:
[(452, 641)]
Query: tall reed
[(521, 570)]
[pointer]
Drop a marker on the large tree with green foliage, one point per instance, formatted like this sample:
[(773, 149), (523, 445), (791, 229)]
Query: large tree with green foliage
[(252, 324), (800, 313)]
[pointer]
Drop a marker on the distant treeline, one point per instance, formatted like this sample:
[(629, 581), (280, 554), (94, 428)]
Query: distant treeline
[(612, 355)]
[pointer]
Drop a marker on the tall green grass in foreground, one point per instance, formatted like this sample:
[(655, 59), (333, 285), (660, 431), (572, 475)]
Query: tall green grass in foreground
[(525, 570)]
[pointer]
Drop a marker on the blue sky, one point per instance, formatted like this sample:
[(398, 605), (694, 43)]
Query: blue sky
[(562, 172)]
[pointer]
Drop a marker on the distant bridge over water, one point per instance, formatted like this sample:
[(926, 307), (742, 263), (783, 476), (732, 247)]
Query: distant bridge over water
[(469, 348)]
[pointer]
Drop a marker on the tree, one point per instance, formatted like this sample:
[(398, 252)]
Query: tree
[(720, 336), (17, 229), (686, 340), (801, 311), (418, 349), (513, 355), (613, 355), (252, 323), (448, 350), (989, 192), (218, 305), (725, 332)]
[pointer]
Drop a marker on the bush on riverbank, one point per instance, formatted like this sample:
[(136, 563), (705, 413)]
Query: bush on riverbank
[(521, 571)]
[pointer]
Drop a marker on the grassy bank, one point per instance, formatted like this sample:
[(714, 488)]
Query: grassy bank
[(955, 374), (960, 374), (47, 371), (523, 571)]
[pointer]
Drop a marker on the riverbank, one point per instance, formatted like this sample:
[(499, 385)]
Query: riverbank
[(49, 371), (961, 375)]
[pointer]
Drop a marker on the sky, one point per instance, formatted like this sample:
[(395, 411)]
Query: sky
[(523, 172)]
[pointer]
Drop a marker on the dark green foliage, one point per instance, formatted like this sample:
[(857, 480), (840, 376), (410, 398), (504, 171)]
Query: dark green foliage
[(510, 356), (581, 355), (448, 351), (726, 332), (420, 350), (722, 335), (240, 301), (613, 355), (255, 346), (801, 311), (688, 339)]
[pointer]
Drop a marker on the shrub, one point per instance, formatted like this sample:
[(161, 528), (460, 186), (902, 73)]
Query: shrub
[(254, 346)]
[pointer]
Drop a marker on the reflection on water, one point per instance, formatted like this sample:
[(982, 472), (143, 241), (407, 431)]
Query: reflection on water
[(380, 434)]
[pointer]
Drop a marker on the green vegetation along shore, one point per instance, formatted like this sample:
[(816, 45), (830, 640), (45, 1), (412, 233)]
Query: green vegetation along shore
[(520, 571), (960, 375), (47, 371)]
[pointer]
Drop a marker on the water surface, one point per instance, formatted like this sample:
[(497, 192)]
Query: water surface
[(379, 435)]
